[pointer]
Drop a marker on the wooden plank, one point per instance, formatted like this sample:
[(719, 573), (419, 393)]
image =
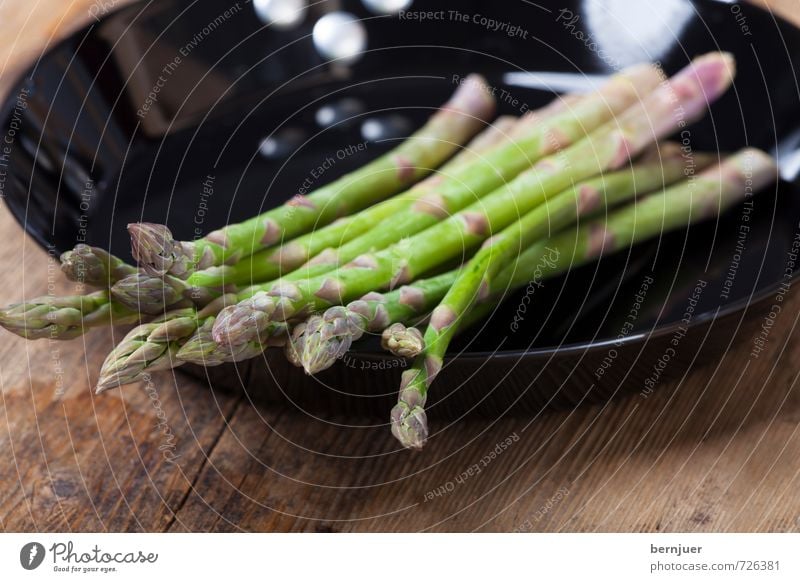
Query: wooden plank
[(120, 462), (70, 461)]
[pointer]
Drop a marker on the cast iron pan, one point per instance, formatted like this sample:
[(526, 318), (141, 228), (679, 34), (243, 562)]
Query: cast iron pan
[(84, 163)]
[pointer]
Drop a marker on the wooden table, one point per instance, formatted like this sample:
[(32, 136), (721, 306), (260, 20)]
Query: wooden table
[(716, 452)]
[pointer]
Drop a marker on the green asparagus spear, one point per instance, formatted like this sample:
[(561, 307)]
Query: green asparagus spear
[(536, 137), (341, 326), (464, 115), (94, 266), (178, 337), (402, 341), (137, 352), (155, 294), (64, 317), (476, 171), (683, 99), (201, 348), (704, 197), (154, 345), (270, 263), (571, 206), (152, 295), (326, 337), (494, 157)]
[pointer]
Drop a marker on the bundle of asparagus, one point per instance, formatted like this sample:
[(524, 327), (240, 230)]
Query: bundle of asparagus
[(581, 177)]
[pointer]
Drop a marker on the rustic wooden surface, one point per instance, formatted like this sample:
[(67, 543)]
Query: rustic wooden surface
[(716, 452)]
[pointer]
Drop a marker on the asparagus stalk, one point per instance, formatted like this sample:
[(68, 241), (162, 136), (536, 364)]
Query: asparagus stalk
[(326, 337), (334, 326), (467, 111), (64, 318), (474, 280), (143, 291), (539, 135), (68, 317), (674, 104), (145, 294), (269, 264), (331, 334), (137, 352), (154, 294), (709, 194), (153, 346), (201, 349), (94, 266), (402, 341), (178, 337), (494, 157)]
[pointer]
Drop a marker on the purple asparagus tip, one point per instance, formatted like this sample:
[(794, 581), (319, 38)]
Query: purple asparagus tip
[(153, 247), (147, 293), (410, 426), (243, 322)]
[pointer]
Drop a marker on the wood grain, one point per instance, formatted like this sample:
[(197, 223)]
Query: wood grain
[(716, 452)]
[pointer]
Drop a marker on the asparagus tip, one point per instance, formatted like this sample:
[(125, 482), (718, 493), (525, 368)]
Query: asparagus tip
[(79, 264), (327, 337), (474, 97), (145, 293), (757, 166), (104, 384), (241, 323), (153, 246), (715, 72), (44, 317), (410, 426), (402, 341)]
